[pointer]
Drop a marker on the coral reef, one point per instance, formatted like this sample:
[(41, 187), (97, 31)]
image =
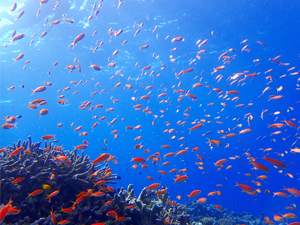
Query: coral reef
[(225, 221), (46, 170), (207, 214), (208, 220), (49, 185)]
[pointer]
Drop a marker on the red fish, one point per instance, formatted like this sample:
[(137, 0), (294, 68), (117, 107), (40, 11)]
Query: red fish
[(4, 211), (44, 112), (52, 195), (196, 127), (138, 160), (177, 39), (48, 137), (17, 180), (261, 167), (112, 213), (78, 38), (95, 67), (19, 57), (245, 187), (146, 68), (13, 7), (20, 14), (39, 89), (8, 126), (153, 186), (36, 192), (101, 158), (17, 151), (275, 162), (194, 194), (181, 178)]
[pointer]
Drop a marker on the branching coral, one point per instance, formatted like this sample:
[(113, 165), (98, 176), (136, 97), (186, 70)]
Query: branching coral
[(50, 170)]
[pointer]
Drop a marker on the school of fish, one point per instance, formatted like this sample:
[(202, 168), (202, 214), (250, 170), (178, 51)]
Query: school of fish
[(169, 91)]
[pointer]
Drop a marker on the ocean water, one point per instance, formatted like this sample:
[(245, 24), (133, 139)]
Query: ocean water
[(227, 25)]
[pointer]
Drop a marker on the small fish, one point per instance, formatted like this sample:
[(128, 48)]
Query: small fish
[(46, 186)]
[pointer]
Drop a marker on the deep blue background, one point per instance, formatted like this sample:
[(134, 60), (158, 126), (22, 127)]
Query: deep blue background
[(275, 23)]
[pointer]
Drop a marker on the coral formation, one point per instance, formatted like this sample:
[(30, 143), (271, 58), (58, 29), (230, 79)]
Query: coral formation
[(207, 214), (50, 185), (45, 185), (49, 169), (208, 221)]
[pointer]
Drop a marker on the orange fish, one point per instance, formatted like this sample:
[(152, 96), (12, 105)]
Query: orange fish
[(293, 192), (112, 214), (277, 125), (39, 89), (19, 57), (138, 160), (221, 162), (48, 137), (17, 180), (4, 211), (196, 127), (218, 207), (194, 194), (17, 151), (9, 126), (95, 67), (43, 112), (153, 186), (78, 38), (61, 158), (181, 178), (177, 39), (146, 68), (63, 222), (281, 194), (290, 216), (245, 187), (101, 158), (13, 9), (215, 142), (182, 152), (202, 200), (17, 37), (52, 195), (36, 192), (165, 146), (261, 167), (275, 162)]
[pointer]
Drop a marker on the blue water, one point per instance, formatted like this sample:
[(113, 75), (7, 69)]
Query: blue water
[(274, 23)]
